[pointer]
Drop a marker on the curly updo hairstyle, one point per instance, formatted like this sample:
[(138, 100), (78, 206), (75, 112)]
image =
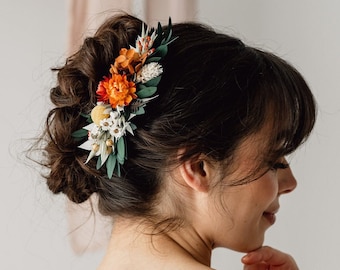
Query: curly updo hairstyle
[(214, 92)]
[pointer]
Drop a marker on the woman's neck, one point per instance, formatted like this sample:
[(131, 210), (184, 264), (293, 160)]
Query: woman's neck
[(133, 246)]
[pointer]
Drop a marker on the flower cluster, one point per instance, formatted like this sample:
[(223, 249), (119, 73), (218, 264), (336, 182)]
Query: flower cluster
[(121, 96)]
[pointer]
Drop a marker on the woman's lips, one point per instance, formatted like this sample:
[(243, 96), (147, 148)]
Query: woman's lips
[(270, 217)]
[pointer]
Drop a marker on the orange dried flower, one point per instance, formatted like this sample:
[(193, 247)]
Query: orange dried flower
[(126, 61), (102, 93), (118, 91)]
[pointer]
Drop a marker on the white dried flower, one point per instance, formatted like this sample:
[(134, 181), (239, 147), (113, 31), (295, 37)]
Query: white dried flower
[(149, 71)]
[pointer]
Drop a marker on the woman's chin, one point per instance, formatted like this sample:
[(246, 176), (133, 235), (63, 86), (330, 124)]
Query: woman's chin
[(248, 247)]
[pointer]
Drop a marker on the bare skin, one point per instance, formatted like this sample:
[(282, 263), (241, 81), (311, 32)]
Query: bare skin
[(212, 217), (132, 245), (268, 258)]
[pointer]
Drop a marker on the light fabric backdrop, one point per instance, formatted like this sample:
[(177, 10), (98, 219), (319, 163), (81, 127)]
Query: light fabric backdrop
[(35, 230)]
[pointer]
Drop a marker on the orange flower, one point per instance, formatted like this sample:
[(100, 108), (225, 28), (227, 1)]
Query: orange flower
[(126, 61), (117, 90), (102, 90)]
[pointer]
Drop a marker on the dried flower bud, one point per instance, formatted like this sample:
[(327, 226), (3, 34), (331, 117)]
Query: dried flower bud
[(95, 147), (109, 142)]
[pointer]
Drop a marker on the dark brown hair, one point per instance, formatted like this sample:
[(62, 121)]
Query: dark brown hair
[(214, 92)]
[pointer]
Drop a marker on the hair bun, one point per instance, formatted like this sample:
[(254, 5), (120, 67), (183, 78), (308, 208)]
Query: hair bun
[(76, 94)]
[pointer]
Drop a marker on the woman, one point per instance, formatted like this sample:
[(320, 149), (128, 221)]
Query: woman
[(182, 132)]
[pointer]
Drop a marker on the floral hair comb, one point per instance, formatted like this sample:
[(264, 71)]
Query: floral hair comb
[(121, 96)]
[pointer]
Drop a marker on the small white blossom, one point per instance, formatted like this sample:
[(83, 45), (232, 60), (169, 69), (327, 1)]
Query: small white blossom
[(106, 124), (117, 128), (117, 132), (93, 131), (115, 115), (149, 71)]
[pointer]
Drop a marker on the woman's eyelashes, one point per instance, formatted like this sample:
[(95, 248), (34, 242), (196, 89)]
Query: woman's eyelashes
[(279, 165)]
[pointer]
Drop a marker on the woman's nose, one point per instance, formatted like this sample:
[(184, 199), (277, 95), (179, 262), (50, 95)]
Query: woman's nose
[(287, 181)]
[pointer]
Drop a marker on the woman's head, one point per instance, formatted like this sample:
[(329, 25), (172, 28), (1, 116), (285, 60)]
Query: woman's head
[(215, 92)]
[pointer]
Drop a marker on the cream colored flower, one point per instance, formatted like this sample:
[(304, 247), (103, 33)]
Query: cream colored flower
[(149, 71)]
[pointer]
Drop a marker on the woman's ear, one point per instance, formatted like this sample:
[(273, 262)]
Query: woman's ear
[(197, 174)]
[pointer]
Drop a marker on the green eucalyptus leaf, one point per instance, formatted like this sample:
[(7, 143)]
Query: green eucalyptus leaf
[(77, 139), (80, 133), (161, 51), (87, 116), (121, 150), (153, 59), (140, 111), (133, 126), (153, 82), (99, 163), (125, 149), (147, 92), (141, 86), (117, 170), (110, 165), (120, 160)]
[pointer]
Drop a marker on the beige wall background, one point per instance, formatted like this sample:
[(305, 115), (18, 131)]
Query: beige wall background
[(36, 231)]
